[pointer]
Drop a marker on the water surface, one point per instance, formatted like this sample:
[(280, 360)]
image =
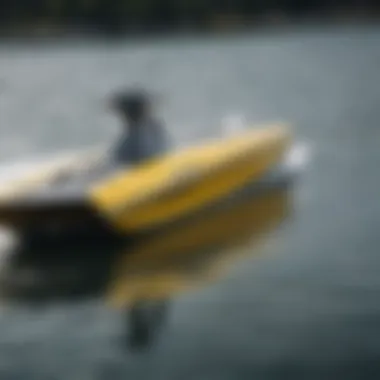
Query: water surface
[(310, 307)]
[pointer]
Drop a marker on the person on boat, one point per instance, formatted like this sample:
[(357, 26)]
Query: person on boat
[(144, 137)]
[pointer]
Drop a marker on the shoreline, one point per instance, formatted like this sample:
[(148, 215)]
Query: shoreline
[(219, 26)]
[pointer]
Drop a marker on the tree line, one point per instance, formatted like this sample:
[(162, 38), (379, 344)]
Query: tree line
[(123, 15)]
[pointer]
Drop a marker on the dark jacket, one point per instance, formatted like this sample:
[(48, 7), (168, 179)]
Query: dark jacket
[(144, 141)]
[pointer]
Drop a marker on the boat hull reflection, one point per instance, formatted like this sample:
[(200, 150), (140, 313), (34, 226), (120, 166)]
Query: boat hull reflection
[(141, 277), (189, 257)]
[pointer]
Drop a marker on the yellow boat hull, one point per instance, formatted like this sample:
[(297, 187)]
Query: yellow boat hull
[(180, 184), (149, 196)]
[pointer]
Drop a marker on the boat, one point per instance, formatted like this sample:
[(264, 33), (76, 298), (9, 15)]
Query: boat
[(62, 198)]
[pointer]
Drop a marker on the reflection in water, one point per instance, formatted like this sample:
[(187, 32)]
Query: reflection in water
[(187, 257), (195, 252), (63, 273), (148, 272), (144, 321)]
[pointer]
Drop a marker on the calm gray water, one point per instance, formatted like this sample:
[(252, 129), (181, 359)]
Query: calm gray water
[(308, 310)]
